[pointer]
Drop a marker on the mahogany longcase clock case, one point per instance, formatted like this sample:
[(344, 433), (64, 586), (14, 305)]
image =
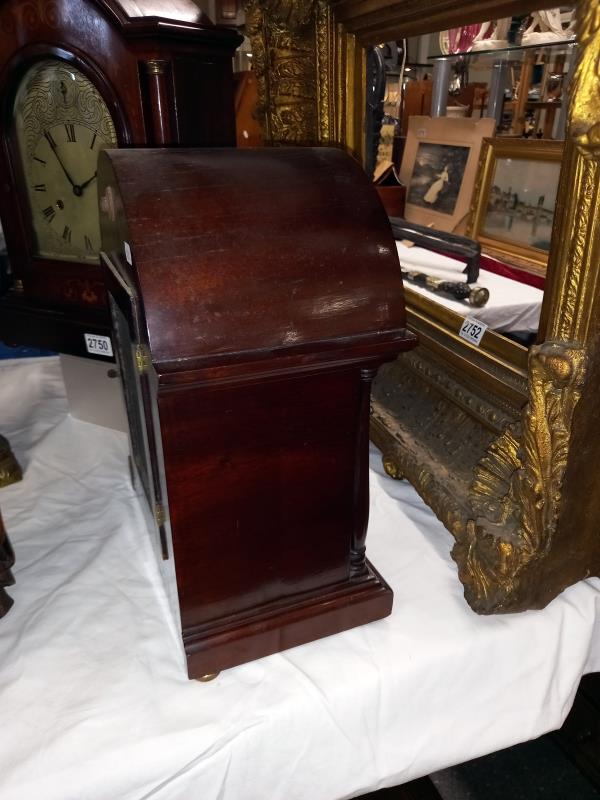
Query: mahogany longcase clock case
[(77, 76)]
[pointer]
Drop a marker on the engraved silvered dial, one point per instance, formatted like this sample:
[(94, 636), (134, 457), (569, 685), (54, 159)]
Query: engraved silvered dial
[(62, 123)]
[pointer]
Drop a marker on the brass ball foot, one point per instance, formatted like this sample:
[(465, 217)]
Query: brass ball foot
[(210, 676)]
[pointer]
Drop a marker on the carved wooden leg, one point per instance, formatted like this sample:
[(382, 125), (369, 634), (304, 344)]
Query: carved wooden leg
[(10, 472), (7, 559), (358, 564)]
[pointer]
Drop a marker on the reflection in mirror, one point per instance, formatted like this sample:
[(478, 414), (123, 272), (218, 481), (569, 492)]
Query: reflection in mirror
[(473, 120)]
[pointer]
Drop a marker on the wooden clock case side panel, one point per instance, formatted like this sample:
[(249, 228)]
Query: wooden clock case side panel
[(187, 96), (266, 493), (185, 69), (317, 605), (256, 467), (204, 100)]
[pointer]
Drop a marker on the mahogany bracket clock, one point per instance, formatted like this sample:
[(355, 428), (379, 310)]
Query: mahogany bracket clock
[(247, 383), (78, 76)]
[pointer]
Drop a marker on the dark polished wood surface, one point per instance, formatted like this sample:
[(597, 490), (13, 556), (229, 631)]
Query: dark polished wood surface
[(324, 257), (259, 290), (165, 74)]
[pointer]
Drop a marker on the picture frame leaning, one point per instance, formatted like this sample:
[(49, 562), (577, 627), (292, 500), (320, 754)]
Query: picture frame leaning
[(514, 200), (439, 166)]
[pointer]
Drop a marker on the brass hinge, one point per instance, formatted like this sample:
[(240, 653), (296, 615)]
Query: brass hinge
[(142, 358), (159, 514)]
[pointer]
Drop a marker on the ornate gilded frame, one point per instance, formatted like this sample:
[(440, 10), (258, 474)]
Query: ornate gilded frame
[(500, 442), (538, 150), (310, 73)]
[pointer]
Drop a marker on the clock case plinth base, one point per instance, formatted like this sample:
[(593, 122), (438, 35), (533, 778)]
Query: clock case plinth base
[(262, 632)]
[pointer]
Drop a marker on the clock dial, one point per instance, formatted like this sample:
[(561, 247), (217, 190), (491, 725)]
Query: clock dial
[(62, 123)]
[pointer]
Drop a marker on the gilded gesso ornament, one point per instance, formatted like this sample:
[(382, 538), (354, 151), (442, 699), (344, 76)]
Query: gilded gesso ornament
[(304, 65), (516, 493), (421, 415), (583, 114), (283, 36)]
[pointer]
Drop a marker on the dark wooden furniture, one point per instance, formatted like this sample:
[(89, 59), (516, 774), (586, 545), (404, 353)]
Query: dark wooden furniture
[(7, 559), (420, 789), (10, 472), (165, 81), (254, 294), (580, 733)]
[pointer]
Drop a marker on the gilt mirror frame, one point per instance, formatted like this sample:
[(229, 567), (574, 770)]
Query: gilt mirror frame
[(499, 441)]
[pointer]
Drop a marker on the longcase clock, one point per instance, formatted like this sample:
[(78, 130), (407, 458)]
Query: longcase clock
[(78, 76)]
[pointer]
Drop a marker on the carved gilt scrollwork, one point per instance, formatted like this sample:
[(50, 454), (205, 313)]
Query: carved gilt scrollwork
[(283, 35), (516, 492), (304, 65), (431, 427)]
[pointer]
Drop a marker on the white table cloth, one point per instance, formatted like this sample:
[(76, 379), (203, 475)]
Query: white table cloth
[(95, 701), (512, 306)]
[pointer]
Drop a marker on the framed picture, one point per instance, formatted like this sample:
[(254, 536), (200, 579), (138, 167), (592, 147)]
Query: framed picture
[(513, 206), (438, 168)]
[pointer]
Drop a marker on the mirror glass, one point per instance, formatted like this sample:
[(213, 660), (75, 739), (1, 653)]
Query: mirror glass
[(468, 130)]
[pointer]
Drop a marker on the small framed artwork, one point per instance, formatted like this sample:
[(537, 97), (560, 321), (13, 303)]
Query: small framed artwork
[(513, 205), (438, 168)]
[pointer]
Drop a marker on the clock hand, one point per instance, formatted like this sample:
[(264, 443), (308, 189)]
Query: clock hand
[(52, 144), (87, 183)]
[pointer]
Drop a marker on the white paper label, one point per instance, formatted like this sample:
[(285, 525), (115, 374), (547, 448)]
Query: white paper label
[(98, 345), (472, 330), (127, 250)]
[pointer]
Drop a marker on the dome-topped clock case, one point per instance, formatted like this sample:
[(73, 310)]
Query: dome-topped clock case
[(78, 76)]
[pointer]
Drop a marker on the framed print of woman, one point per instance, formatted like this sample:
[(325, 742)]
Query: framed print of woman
[(433, 193)]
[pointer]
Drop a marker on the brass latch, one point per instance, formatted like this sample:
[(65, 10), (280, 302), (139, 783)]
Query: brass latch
[(142, 358)]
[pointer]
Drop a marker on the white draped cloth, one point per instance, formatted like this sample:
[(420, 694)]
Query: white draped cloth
[(95, 699)]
